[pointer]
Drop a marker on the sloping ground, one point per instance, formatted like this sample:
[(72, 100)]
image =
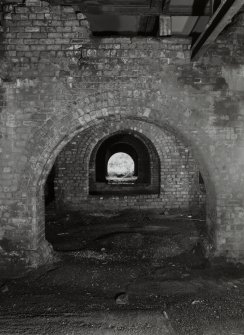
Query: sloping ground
[(147, 234), (118, 291), (96, 323), (88, 293)]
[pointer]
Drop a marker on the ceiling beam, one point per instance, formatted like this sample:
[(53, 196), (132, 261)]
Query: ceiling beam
[(220, 19), (134, 7), (120, 10), (187, 10)]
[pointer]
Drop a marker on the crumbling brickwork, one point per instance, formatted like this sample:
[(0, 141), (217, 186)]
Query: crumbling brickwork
[(57, 81)]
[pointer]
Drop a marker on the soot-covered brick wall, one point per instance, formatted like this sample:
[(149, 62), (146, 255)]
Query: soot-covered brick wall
[(177, 185), (57, 81)]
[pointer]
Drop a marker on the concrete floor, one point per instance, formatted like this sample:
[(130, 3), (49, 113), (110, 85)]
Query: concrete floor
[(130, 279)]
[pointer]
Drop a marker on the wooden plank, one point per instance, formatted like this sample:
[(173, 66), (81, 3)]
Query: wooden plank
[(221, 18)]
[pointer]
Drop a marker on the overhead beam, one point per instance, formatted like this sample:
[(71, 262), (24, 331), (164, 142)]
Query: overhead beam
[(120, 10), (134, 7), (114, 7), (220, 19), (178, 10)]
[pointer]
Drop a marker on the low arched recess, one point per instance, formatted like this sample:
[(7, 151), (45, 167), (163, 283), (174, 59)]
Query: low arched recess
[(144, 155)]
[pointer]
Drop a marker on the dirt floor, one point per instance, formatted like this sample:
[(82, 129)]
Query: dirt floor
[(129, 272)]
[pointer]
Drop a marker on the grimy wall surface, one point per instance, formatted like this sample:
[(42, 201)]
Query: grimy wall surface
[(57, 81)]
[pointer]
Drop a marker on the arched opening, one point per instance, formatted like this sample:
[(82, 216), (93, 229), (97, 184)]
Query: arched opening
[(146, 178), (121, 169)]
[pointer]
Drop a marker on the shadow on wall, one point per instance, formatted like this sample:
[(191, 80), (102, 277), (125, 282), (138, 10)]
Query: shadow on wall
[(123, 25), (49, 188)]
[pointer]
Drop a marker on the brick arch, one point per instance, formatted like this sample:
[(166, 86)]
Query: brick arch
[(58, 131), (170, 152), (56, 136), (103, 132), (123, 141)]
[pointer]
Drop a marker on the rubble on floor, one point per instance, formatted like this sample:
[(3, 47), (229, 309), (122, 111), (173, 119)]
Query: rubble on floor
[(110, 288)]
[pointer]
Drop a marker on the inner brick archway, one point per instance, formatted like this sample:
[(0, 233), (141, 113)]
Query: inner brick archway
[(144, 154)]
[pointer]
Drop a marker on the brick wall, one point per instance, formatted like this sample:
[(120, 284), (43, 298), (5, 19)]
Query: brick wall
[(57, 82)]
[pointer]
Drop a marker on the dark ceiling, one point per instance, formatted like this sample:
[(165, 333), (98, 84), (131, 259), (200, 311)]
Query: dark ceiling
[(141, 17)]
